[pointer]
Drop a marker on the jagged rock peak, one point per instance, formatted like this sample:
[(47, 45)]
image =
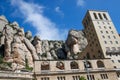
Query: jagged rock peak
[(2, 17)]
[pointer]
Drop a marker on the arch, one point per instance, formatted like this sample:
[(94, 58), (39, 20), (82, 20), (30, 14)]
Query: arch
[(100, 16), (105, 16), (87, 64), (74, 65), (45, 65), (60, 65), (95, 15), (100, 64)]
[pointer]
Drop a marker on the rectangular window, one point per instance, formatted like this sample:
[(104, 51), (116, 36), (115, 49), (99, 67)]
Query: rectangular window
[(103, 36), (105, 27), (61, 78), (100, 27), (114, 37), (118, 48), (105, 16), (116, 42), (109, 37), (113, 48), (105, 42), (90, 77), (111, 42), (101, 31), (107, 48), (76, 77), (112, 32), (109, 27), (104, 76), (107, 32), (45, 78)]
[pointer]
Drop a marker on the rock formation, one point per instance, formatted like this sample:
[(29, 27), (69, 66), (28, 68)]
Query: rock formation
[(75, 43), (20, 49)]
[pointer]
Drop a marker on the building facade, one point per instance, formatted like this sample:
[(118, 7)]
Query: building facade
[(103, 38), (98, 69), (102, 54)]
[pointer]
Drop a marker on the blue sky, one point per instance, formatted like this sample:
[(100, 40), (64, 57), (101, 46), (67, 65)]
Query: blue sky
[(52, 19)]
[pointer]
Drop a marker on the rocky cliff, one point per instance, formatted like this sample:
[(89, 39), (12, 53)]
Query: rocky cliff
[(18, 49)]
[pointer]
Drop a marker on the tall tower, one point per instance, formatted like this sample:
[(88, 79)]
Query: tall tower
[(103, 39)]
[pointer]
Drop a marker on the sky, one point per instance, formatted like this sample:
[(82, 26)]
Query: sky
[(52, 19)]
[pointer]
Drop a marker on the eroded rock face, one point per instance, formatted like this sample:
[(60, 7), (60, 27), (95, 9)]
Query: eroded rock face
[(20, 49), (75, 43)]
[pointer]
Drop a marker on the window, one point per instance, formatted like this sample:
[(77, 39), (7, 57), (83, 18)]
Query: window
[(104, 76), (101, 31), (114, 37), (100, 27), (90, 77), (112, 32), (45, 65), (61, 78), (95, 15), (109, 37), (107, 48), (119, 61), (87, 64), (103, 22), (107, 32), (116, 42), (112, 61), (105, 42), (100, 64), (105, 27), (118, 48), (74, 65), (115, 67), (111, 42), (100, 16), (45, 78), (105, 16), (98, 22), (103, 36), (109, 27), (113, 48), (60, 65), (118, 74), (76, 77)]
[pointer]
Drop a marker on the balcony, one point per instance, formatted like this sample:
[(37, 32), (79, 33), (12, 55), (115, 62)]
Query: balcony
[(112, 51), (15, 75)]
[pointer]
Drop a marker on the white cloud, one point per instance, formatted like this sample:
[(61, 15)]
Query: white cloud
[(58, 10), (81, 3), (33, 14)]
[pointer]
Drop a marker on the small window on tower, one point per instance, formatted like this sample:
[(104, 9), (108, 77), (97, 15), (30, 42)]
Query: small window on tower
[(116, 42), (105, 16), (95, 15), (100, 16)]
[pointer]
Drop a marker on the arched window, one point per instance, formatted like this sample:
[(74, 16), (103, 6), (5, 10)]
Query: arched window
[(45, 65), (100, 64), (105, 16), (60, 65), (100, 16), (87, 64), (74, 65), (95, 15)]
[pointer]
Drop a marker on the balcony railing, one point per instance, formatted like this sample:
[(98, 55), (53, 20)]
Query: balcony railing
[(74, 71), (112, 51), (8, 74)]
